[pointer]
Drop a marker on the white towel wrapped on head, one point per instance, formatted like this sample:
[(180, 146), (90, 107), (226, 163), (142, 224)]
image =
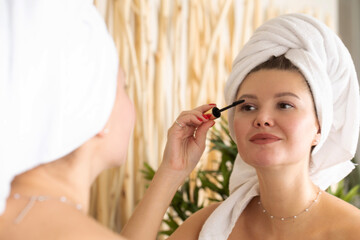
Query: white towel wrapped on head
[(327, 66)]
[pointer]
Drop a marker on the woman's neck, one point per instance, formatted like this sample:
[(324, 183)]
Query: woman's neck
[(70, 176), (286, 192)]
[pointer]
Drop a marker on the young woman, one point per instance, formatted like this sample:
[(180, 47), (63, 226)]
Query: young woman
[(296, 133)]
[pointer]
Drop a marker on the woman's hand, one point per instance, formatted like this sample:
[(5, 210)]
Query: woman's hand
[(184, 147), (186, 139)]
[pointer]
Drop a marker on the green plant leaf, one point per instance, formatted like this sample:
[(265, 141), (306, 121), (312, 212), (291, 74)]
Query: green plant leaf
[(351, 194)]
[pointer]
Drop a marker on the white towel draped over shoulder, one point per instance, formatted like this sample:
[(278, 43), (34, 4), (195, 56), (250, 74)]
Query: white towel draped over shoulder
[(327, 66), (58, 78)]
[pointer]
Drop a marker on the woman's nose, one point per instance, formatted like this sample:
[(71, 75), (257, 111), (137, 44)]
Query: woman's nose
[(263, 120)]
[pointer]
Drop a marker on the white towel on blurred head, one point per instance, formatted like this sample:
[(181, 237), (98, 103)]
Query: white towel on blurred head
[(58, 77), (327, 66)]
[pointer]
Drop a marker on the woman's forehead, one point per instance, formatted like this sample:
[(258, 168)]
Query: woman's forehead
[(273, 80)]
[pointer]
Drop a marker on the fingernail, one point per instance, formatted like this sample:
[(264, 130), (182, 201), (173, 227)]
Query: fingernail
[(208, 116), (212, 104), (199, 119)]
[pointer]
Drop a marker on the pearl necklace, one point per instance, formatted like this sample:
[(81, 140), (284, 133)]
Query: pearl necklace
[(41, 198), (292, 217)]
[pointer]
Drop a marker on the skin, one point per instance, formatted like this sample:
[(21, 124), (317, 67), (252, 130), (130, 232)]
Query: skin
[(72, 176), (280, 103)]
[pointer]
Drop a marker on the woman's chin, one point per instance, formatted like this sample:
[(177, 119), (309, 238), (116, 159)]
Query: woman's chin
[(264, 161), (116, 161), (121, 161)]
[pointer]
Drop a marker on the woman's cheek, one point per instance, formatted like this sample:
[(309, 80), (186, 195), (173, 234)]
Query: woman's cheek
[(240, 131)]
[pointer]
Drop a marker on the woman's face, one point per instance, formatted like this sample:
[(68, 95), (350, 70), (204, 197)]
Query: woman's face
[(277, 124), (120, 125)]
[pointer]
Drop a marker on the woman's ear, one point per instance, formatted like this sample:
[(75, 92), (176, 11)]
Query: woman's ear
[(103, 132), (316, 139)]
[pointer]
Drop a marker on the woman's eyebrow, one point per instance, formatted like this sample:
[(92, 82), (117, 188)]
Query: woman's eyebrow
[(247, 96), (282, 94)]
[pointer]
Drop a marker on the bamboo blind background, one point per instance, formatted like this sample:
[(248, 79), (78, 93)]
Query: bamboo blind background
[(177, 55)]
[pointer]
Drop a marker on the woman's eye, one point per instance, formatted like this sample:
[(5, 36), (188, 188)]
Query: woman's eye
[(285, 105), (247, 108)]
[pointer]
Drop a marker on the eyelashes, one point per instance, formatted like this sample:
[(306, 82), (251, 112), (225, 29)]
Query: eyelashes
[(246, 107), (284, 105)]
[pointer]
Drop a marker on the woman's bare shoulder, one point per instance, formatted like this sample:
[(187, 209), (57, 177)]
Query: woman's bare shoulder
[(349, 222), (343, 219), (337, 206), (347, 227), (63, 223), (84, 227), (191, 228), (90, 229)]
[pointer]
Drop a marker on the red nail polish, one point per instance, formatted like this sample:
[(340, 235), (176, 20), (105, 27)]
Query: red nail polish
[(208, 116), (199, 119), (212, 104)]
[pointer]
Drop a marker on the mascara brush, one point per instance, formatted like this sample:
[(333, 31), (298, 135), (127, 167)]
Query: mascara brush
[(216, 112)]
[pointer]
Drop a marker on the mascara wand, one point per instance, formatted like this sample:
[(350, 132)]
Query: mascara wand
[(217, 112)]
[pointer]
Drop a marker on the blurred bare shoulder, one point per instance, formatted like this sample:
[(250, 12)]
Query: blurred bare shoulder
[(59, 221)]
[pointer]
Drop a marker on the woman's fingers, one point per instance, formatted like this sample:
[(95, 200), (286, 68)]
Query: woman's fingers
[(187, 138), (195, 117), (205, 108), (201, 131)]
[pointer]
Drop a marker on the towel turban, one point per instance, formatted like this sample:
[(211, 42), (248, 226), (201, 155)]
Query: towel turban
[(58, 77), (329, 70)]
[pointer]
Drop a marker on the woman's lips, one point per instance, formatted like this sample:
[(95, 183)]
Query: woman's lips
[(264, 138)]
